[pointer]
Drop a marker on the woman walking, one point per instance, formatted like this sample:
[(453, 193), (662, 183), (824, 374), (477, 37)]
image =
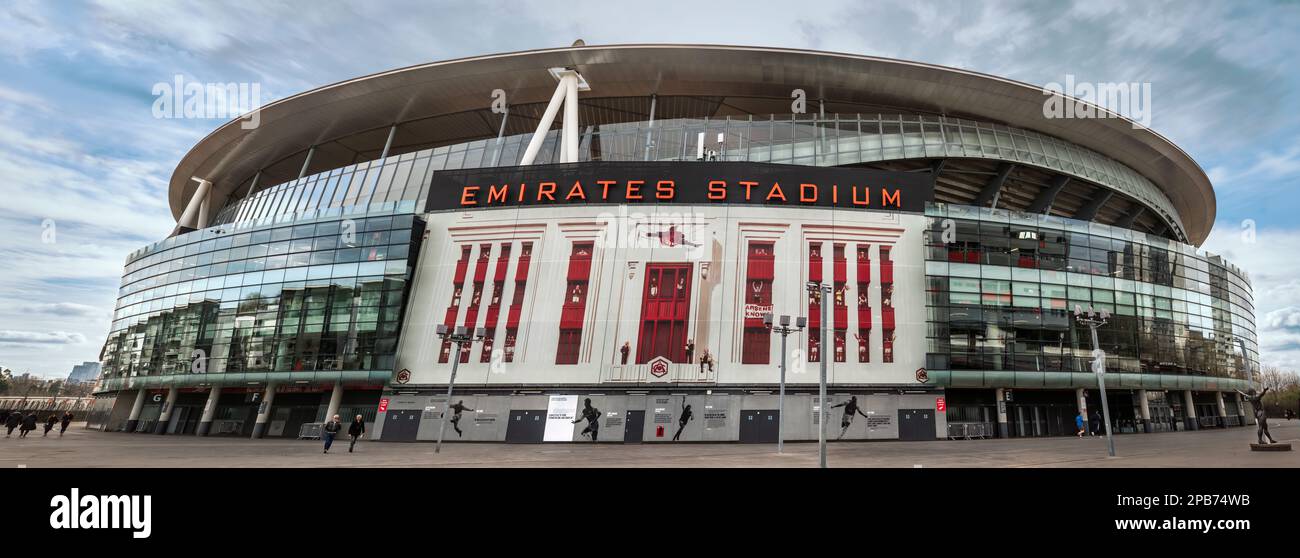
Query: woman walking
[(50, 421)]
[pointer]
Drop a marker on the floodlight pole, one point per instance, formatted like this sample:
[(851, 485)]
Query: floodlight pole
[(785, 330), (460, 337), (1094, 320), (823, 292)]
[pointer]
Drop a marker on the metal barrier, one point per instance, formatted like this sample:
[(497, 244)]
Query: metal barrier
[(968, 430), (310, 431)]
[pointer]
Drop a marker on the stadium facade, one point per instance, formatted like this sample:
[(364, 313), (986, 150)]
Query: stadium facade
[(617, 220)]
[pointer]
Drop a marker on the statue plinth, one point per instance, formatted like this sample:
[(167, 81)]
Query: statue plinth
[(1281, 446)]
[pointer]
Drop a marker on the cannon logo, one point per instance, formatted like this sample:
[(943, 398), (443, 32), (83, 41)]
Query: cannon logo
[(102, 512)]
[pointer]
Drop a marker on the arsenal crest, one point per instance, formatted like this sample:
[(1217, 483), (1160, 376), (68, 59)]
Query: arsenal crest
[(659, 367)]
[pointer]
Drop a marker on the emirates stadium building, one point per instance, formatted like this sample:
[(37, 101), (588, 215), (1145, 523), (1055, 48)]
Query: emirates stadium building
[(616, 222)]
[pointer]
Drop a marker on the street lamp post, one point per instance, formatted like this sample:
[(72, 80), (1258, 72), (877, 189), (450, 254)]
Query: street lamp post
[(785, 330), (823, 293), (1094, 320), (460, 337)]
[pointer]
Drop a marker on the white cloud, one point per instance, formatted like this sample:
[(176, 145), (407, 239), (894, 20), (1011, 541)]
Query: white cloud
[(65, 309), (11, 337)]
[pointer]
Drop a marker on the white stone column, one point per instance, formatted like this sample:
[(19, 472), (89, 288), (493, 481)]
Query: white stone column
[(209, 411), (1144, 406), (168, 406), (190, 216), (134, 418), (570, 130), (1190, 403), (264, 411), (336, 398)]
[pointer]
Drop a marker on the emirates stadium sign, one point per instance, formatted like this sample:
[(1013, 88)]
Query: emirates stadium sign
[(694, 183)]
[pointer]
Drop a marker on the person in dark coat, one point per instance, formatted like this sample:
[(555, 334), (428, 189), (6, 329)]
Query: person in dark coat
[(50, 421), (357, 428), (29, 424), (330, 430), (64, 422), (1096, 424), (12, 421)]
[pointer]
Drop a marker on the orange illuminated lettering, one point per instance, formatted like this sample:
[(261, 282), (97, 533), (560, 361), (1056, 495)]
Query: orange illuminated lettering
[(467, 195), (576, 190), (717, 190), (886, 198), (546, 189), (866, 196), (776, 192), (803, 193), (665, 190), (604, 187)]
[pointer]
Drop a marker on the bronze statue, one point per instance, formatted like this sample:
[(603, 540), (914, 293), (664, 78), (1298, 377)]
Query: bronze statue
[(1261, 418)]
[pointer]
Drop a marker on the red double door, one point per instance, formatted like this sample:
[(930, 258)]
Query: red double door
[(665, 313)]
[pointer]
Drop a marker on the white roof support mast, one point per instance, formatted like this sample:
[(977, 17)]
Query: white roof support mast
[(566, 94)]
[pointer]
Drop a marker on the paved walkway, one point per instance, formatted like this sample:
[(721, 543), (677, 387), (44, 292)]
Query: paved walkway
[(1212, 448)]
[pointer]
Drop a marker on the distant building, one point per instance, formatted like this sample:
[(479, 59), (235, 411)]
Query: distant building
[(84, 372)]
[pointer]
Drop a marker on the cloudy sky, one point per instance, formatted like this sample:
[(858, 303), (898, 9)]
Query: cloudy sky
[(84, 163)]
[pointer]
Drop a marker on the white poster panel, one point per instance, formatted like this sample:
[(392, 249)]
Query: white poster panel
[(560, 413)]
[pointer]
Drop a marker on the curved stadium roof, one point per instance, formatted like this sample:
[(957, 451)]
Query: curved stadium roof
[(348, 120)]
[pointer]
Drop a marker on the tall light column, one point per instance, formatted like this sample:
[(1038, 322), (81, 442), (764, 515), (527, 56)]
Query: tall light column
[(785, 330), (1093, 320), (460, 337), (823, 293)]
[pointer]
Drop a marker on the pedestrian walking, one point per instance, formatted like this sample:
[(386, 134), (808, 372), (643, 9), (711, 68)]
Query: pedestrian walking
[(11, 422), (50, 421), (29, 424), (357, 428), (67, 419), (1096, 423), (1078, 424), (332, 428)]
